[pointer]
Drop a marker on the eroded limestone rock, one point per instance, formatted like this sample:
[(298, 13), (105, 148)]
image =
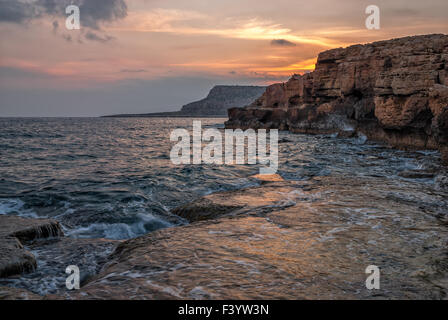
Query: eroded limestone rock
[(393, 91)]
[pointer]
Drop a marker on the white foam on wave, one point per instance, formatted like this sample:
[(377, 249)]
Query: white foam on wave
[(361, 138), (118, 231), (14, 206)]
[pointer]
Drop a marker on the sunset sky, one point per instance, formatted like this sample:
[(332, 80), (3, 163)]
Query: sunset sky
[(135, 56)]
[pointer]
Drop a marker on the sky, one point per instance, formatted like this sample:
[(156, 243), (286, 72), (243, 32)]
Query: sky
[(136, 56)]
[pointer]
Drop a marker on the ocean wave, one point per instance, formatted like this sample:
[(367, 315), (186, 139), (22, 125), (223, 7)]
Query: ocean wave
[(14, 206), (121, 230)]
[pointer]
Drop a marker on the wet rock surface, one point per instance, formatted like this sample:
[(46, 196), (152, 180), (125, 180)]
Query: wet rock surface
[(393, 91), (316, 245), (235, 202), (8, 293), (308, 239), (54, 256)]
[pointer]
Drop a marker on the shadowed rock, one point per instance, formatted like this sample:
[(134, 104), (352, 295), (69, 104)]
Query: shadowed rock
[(221, 204), (14, 259), (29, 229)]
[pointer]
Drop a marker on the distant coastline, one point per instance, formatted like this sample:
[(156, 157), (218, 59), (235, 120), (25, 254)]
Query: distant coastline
[(174, 114), (215, 105)]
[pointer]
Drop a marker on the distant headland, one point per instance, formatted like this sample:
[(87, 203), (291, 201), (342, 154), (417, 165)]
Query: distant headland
[(218, 101)]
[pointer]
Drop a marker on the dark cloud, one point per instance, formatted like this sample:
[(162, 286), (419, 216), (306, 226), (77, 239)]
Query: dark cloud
[(92, 12), (282, 43), (95, 37), (17, 11)]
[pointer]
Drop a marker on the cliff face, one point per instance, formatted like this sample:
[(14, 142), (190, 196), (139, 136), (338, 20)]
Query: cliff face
[(394, 91), (217, 102), (221, 98)]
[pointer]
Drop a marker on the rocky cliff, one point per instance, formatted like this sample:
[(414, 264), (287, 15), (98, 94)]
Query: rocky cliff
[(217, 102), (394, 91), (221, 98)]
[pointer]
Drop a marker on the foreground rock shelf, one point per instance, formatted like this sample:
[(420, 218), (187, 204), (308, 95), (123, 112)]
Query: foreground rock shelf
[(394, 91), (279, 240), (292, 241)]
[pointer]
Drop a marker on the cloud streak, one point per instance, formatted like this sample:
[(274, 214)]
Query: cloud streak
[(95, 37), (282, 43), (187, 22)]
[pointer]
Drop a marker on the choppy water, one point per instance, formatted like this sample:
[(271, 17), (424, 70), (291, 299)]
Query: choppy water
[(102, 177), (112, 178)]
